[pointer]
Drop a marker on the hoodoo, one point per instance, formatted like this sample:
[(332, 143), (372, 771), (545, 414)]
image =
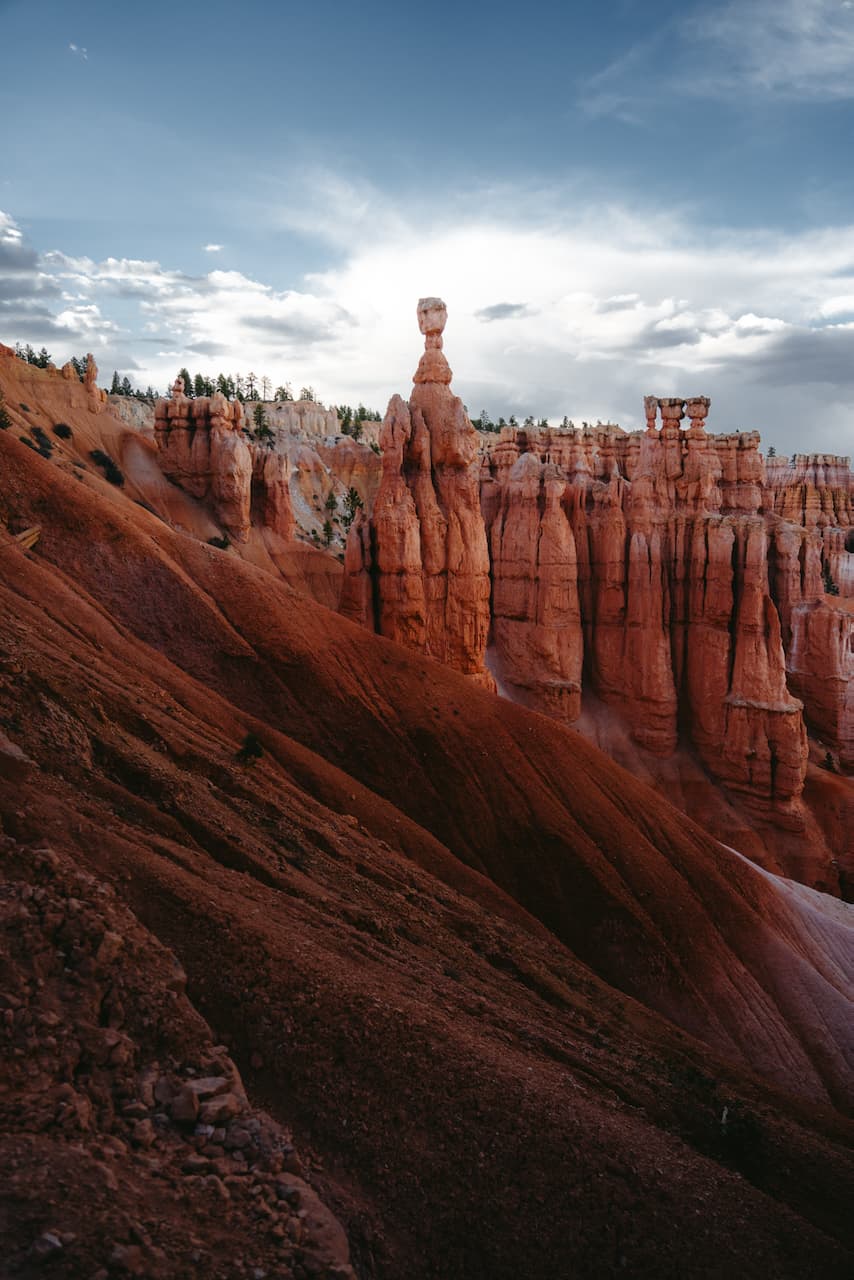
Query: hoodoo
[(203, 449), (662, 591), (426, 554)]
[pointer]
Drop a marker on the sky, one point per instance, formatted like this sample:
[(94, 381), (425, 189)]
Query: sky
[(627, 198)]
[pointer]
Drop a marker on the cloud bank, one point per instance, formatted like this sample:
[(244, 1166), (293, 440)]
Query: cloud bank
[(607, 305)]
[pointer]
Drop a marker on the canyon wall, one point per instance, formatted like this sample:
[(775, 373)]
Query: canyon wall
[(696, 570), (667, 572), (665, 608)]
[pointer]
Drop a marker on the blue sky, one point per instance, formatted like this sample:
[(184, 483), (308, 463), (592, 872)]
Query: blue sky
[(614, 199)]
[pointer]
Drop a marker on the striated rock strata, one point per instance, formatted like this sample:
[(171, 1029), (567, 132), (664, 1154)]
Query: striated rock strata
[(642, 566)]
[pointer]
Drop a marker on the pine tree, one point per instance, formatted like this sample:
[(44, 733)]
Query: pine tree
[(199, 386), (127, 388), (188, 382), (352, 503), (115, 385)]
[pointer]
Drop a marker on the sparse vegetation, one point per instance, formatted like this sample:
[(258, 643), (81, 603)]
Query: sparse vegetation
[(263, 431), (352, 420), (222, 543), (63, 430), (5, 420), (111, 472), (352, 503), (41, 359), (44, 444), (375, 447), (250, 751)]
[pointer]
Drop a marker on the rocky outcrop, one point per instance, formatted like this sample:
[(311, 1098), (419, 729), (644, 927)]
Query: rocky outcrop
[(303, 418), (536, 617), (663, 582), (821, 671), (812, 489), (271, 496), (96, 396), (426, 556), (138, 414), (203, 449)]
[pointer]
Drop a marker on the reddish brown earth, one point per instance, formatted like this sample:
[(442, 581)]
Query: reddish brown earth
[(517, 1015)]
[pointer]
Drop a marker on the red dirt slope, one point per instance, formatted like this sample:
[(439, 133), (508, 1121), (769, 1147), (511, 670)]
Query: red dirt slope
[(415, 916)]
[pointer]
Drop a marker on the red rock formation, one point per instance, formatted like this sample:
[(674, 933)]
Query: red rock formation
[(821, 671), (811, 489), (96, 395), (428, 552), (670, 564), (202, 448), (535, 610), (417, 892), (271, 495)]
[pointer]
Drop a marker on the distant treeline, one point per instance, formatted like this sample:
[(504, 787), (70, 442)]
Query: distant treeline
[(485, 423), (41, 359), (234, 386), (260, 390)]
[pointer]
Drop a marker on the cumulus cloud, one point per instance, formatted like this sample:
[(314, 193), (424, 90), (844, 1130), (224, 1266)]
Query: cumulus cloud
[(502, 311), (214, 248), (618, 303)]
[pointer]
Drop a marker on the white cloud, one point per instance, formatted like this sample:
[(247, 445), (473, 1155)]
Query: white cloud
[(586, 312), (10, 232), (795, 50), (79, 52), (214, 248)]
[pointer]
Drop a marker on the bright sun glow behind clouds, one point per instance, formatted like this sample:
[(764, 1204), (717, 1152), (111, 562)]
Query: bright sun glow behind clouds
[(580, 314)]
